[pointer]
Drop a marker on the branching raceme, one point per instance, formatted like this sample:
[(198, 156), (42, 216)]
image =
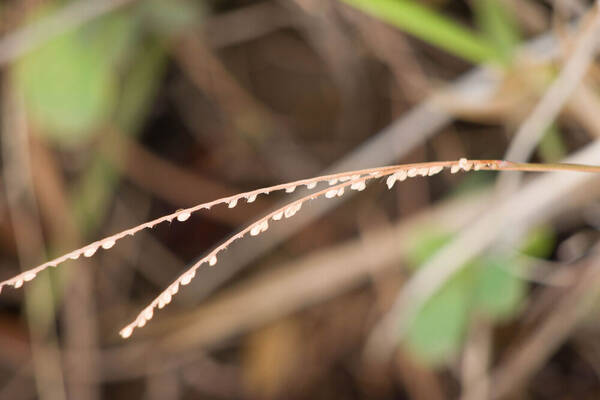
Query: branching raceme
[(336, 185)]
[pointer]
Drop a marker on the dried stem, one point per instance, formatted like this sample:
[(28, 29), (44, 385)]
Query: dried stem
[(337, 183)]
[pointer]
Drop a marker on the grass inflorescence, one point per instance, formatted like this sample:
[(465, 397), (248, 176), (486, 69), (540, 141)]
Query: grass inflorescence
[(336, 185)]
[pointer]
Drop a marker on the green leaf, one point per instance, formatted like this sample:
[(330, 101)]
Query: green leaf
[(439, 327), (424, 244), (110, 36), (92, 193), (539, 242), (498, 293), (485, 285), (171, 17), (498, 26), (430, 27), (552, 147), (140, 85), (70, 84)]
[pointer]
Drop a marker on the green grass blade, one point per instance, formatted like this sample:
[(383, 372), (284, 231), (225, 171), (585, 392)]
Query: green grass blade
[(498, 25), (430, 27)]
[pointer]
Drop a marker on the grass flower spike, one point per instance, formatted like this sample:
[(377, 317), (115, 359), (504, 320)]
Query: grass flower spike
[(336, 185)]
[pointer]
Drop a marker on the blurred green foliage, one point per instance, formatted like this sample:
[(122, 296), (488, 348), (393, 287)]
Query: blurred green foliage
[(70, 84), (437, 330), (494, 43), (498, 27), (552, 147), (168, 18), (73, 83), (100, 79), (484, 287)]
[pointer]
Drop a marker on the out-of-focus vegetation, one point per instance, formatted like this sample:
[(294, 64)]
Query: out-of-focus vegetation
[(141, 107), (490, 287), (495, 42), (76, 83)]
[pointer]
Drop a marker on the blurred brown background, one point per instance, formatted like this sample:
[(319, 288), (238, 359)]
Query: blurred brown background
[(116, 112)]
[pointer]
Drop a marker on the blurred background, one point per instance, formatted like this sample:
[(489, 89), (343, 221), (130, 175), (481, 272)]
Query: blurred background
[(115, 112)]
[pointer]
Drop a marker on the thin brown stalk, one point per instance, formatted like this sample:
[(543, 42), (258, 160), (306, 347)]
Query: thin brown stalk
[(337, 183)]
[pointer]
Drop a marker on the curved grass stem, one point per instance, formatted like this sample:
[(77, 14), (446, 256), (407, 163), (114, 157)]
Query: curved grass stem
[(336, 185)]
